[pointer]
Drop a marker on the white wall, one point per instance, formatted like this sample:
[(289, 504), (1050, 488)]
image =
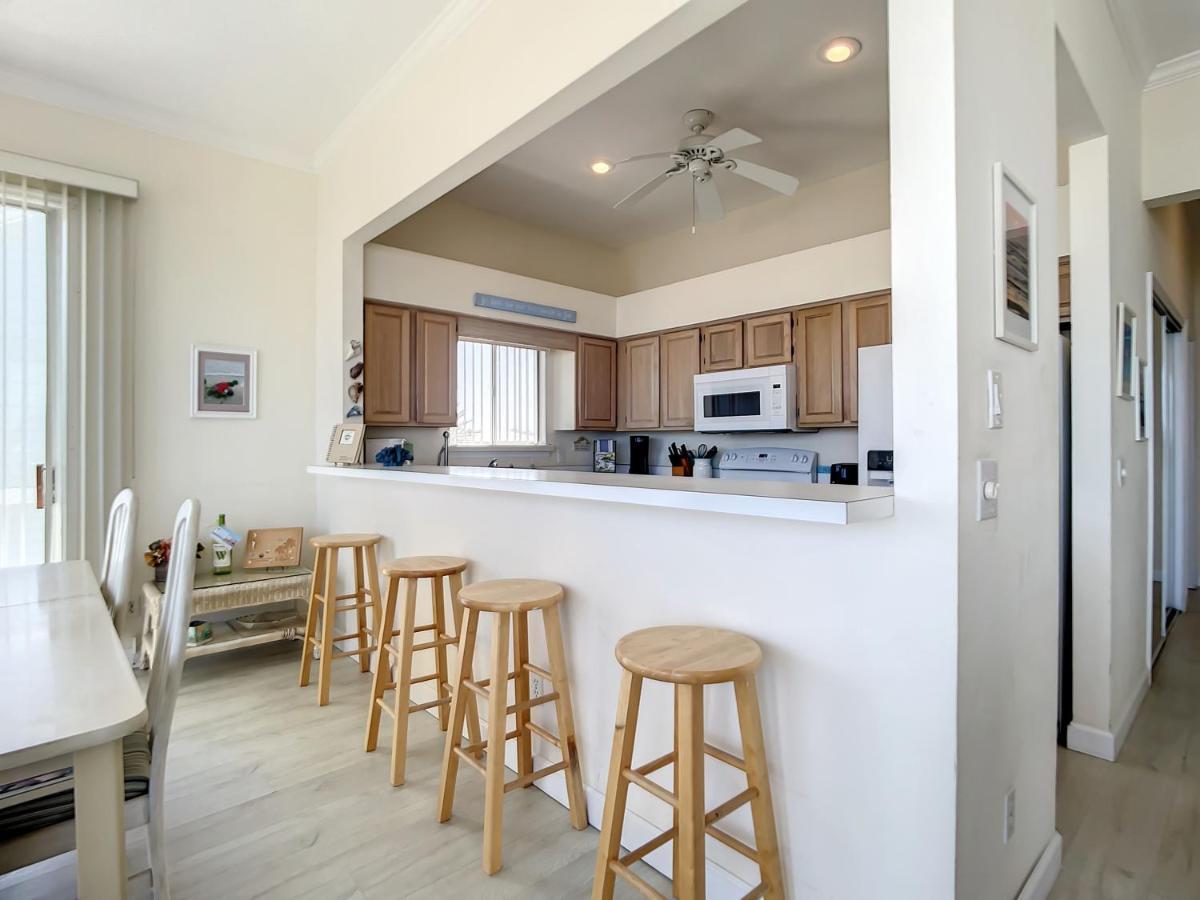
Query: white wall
[(1170, 132), (223, 254)]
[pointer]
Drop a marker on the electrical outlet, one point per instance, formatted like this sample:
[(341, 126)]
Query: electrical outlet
[(1010, 814), (535, 686)]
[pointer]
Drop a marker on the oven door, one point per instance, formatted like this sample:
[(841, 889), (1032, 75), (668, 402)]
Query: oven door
[(750, 400)]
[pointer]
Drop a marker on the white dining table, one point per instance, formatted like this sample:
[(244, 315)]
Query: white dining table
[(67, 690)]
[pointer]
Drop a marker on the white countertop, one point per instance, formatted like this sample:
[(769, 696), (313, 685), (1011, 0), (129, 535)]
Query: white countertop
[(833, 504), (67, 683)]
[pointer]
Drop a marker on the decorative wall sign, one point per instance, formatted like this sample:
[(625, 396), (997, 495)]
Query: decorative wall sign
[(1015, 261), (525, 308), (224, 382)]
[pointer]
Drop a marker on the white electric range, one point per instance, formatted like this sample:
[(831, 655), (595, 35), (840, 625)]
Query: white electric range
[(767, 464)]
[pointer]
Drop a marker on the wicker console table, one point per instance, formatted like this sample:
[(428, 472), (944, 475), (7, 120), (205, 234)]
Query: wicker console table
[(222, 593)]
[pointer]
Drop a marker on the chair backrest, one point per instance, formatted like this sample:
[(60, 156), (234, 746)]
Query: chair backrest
[(170, 646), (117, 566)]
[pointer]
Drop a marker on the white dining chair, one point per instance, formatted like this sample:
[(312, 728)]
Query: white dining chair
[(45, 827), (116, 568)]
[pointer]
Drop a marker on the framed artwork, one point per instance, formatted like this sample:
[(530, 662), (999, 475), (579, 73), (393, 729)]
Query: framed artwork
[(224, 382), (270, 547), (1141, 374), (1126, 355), (1015, 261), (346, 444)]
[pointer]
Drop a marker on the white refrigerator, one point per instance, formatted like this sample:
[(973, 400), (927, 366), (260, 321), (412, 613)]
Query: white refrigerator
[(874, 409)]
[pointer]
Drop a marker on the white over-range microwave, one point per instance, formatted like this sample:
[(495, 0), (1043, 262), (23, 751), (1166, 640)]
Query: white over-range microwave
[(762, 399)]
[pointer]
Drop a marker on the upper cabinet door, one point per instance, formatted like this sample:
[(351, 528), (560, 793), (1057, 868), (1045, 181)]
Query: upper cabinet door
[(721, 347), (387, 365), (818, 336), (680, 353), (868, 324), (637, 383), (596, 384), (437, 369), (769, 340)]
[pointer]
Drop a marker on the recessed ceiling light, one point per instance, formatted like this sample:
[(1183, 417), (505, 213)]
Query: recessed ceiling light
[(601, 167), (841, 49)]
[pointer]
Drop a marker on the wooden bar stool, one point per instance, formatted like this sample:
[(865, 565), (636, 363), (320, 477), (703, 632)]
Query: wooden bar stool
[(689, 657), (511, 600), (324, 598), (393, 665)]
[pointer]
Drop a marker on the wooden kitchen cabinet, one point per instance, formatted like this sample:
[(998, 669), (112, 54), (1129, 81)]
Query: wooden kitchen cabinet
[(387, 365), (679, 352), (721, 346), (638, 383), (867, 323), (436, 368), (817, 332), (595, 384), (769, 340)]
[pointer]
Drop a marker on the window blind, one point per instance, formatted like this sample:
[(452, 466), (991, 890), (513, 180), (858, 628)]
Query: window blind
[(499, 395)]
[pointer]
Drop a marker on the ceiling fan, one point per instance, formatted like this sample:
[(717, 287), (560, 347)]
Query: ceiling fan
[(701, 155)]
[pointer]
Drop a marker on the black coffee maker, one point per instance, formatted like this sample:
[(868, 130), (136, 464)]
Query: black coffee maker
[(639, 454)]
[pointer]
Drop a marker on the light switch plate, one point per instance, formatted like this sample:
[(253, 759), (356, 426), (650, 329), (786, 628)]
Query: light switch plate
[(987, 490), (995, 400)]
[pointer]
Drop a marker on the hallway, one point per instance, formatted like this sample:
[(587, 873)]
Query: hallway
[(1131, 829)]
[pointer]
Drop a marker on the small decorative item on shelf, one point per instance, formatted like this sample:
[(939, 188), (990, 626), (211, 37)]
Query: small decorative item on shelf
[(223, 542), (395, 455), (199, 632), (158, 556)]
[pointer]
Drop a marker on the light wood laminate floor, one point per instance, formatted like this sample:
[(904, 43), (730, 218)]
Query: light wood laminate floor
[(1131, 829), (270, 796)]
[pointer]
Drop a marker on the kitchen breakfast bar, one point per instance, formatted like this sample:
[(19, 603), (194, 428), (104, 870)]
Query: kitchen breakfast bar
[(786, 564)]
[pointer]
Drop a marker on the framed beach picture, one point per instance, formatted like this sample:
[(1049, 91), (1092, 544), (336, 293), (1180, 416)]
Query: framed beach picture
[(1126, 347), (1015, 262), (273, 547), (224, 382)]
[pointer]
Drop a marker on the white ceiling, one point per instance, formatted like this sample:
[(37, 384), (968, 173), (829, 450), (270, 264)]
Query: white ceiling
[(268, 78), (757, 69), (1160, 31)]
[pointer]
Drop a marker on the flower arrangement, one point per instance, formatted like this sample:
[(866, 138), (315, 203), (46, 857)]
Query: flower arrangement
[(159, 552)]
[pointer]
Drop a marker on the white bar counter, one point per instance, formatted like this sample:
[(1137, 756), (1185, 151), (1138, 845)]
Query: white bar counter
[(831, 504)]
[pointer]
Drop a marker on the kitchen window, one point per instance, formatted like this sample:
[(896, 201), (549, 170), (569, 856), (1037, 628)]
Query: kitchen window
[(501, 396)]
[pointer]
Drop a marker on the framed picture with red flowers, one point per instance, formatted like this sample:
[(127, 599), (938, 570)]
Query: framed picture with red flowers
[(224, 382)]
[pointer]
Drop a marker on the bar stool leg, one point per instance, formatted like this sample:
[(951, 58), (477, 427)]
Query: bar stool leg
[(328, 604), (373, 586), (762, 810), (576, 799), (310, 621), (617, 790), (439, 652), (360, 612), (383, 664), (689, 759), (472, 708), (675, 811), (493, 802), (403, 684), (521, 693), (463, 670)]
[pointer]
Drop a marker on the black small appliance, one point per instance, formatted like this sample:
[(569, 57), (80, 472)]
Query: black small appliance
[(639, 454), (843, 473)]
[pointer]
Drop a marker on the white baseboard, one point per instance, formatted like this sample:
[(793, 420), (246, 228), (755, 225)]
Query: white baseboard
[(1045, 872), (1107, 744)]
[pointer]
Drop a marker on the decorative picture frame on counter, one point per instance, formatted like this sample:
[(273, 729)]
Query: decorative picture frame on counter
[(1126, 350), (1015, 261), (268, 548), (224, 382), (346, 444)]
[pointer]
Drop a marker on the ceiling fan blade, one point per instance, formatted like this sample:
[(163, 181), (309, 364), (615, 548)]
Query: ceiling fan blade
[(646, 188), (776, 181), (708, 202), (734, 139), (666, 154)]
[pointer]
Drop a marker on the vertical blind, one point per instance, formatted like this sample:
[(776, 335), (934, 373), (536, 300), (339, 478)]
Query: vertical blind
[(499, 395)]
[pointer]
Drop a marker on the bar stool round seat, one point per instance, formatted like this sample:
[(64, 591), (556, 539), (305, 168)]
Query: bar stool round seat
[(511, 595), (425, 567), (689, 654), (344, 541)]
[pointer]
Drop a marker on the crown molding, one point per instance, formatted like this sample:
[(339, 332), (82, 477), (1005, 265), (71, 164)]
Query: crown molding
[(449, 24), (1174, 70)]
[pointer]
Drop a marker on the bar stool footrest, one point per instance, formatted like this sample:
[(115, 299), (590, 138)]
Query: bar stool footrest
[(643, 887), (526, 780), (543, 734), (635, 777), (725, 756), (730, 841), (649, 847)]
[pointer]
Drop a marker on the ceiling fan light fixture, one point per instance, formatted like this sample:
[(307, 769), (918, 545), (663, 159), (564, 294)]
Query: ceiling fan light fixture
[(601, 167), (841, 49)]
